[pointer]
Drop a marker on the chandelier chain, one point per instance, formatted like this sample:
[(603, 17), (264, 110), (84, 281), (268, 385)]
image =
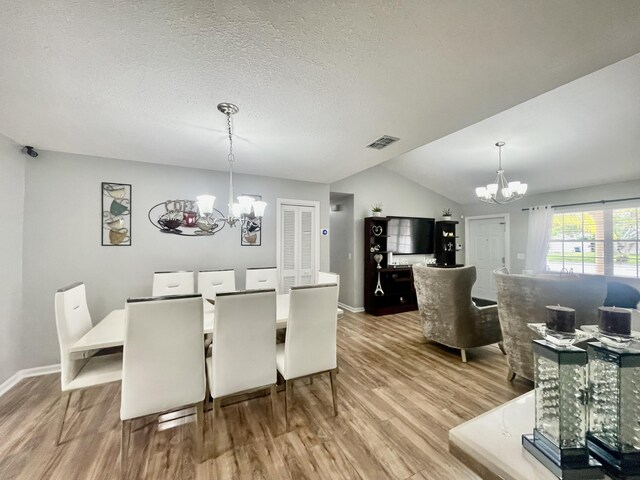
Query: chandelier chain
[(230, 157)]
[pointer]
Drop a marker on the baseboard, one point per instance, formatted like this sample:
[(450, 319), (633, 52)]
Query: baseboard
[(351, 309), (12, 381)]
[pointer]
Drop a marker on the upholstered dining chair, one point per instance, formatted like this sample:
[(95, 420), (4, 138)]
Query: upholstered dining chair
[(72, 322), (172, 283), (163, 363), (212, 282), (310, 342), (329, 277), (261, 278), (448, 314), (243, 353)]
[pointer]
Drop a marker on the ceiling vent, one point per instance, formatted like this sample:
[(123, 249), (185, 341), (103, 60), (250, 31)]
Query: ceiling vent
[(383, 141)]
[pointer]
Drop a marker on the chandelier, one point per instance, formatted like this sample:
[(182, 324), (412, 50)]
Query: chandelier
[(246, 206), (501, 191)]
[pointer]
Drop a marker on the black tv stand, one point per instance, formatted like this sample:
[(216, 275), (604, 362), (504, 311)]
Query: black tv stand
[(396, 292)]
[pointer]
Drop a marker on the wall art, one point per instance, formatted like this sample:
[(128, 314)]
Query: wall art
[(116, 214), (251, 231)]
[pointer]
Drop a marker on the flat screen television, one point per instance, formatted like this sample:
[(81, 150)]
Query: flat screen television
[(411, 235)]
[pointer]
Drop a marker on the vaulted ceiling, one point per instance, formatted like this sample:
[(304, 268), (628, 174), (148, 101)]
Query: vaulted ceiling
[(315, 81), (584, 133)]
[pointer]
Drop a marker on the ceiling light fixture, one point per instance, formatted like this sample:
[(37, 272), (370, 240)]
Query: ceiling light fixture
[(245, 206), (501, 191)]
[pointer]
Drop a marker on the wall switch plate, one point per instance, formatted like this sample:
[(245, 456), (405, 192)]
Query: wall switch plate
[(520, 256)]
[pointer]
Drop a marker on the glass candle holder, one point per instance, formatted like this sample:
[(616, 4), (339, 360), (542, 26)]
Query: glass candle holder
[(614, 414), (559, 437)]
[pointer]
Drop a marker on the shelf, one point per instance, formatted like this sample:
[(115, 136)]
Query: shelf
[(395, 269), (380, 236), (379, 251)]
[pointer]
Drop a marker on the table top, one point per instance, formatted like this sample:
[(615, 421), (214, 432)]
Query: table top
[(109, 332), (492, 442)]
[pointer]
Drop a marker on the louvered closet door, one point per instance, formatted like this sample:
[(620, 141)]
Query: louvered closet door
[(298, 243), (306, 272)]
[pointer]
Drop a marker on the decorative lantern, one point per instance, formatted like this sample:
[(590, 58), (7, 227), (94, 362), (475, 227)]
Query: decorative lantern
[(559, 437), (614, 378)]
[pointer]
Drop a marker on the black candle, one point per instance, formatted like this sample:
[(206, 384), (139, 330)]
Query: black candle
[(561, 319), (614, 320)]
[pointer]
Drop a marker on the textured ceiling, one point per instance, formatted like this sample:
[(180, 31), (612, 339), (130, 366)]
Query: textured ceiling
[(315, 81), (584, 133)]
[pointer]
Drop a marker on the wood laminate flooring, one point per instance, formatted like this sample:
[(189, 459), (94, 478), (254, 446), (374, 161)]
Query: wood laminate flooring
[(398, 398)]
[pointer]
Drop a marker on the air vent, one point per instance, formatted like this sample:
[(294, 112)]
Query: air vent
[(383, 141)]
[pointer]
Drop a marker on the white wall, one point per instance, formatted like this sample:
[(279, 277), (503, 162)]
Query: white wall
[(341, 237), (519, 219), (12, 184), (400, 196), (63, 234)]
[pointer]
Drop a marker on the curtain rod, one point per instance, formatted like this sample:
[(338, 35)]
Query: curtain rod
[(590, 203)]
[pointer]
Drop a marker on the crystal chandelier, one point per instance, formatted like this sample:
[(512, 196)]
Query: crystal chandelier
[(245, 206), (501, 191)]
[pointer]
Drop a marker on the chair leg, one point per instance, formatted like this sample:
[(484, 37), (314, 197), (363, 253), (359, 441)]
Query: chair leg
[(288, 391), (334, 390), (81, 401), (207, 396), (65, 398), (125, 431), (311, 380), (199, 432), (511, 375), (273, 393), (214, 412), (463, 354), (501, 346)]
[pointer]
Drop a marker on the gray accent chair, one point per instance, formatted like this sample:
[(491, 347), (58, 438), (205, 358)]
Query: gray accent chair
[(522, 299), (447, 313)]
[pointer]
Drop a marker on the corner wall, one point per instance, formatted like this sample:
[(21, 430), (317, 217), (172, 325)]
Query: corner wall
[(400, 197), (341, 237), (62, 235), (12, 193)]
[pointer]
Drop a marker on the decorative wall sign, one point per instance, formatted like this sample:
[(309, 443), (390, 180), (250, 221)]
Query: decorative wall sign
[(116, 214), (181, 217), (251, 232)]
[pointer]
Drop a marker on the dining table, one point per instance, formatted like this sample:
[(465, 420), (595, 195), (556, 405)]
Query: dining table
[(109, 332)]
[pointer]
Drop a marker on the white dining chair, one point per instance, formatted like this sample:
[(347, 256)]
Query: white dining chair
[(329, 277), (173, 283), (212, 282), (163, 363), (72, 322), (310, 342), (243, 354), (260, 278)]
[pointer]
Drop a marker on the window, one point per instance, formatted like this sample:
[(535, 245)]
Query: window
[(603, 242), (625, 242)]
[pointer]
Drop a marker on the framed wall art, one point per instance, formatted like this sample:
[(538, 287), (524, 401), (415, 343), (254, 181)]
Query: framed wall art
[(251, 231), (116, 214)]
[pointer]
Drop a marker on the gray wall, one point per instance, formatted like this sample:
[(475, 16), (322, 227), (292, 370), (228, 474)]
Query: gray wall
[(12, 184), (341, 237), (63, 230), (400, 196), (519, 219)]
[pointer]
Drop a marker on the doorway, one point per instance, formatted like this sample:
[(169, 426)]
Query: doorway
[(298, 253), (487, 241)]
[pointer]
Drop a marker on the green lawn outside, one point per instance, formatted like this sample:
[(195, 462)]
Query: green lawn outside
[(588, 257)]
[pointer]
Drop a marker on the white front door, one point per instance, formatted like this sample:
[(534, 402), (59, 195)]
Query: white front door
[(297, 245), (486, 249)]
